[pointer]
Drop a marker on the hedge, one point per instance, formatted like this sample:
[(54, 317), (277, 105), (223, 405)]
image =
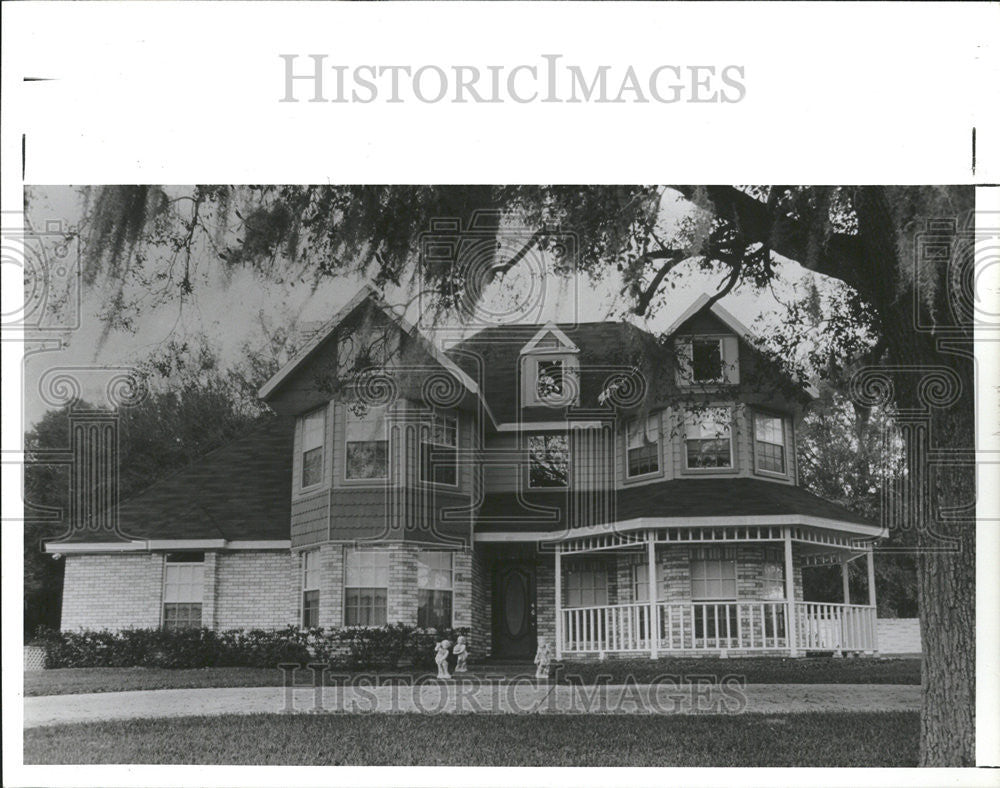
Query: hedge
[(354, 648)]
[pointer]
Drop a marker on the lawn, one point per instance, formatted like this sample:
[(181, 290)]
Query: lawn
[(869, 739), (763, 670)]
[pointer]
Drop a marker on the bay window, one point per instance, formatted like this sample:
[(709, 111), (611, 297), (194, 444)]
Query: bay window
[(367, 443), (708, 439), (434, 589), (439, 451), (643, 453), (548, 461), (366, 588), (769, 443), (313, 434), (310, 588)]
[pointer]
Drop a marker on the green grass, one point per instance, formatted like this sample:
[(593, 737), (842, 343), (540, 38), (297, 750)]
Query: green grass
[(846, 739), (762, 670)]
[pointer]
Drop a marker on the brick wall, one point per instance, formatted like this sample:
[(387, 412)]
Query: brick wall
[(481, 640), (112, 591), (252, 590), (898, 635)]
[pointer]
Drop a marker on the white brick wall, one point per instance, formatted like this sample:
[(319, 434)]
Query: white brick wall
[(242, 589), (112, 591), (253, 590)]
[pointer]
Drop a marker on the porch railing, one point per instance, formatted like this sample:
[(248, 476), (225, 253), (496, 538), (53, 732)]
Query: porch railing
[(755, 626)]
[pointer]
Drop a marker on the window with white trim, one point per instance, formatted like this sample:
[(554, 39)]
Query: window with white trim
[(434, 589), (708, 439), (366, 588), (548, 461), (706, 360), (439, 450), (772, 576), (310, 588), (640, 582), (713, 573), (367, 442), (586, 584), (643, 450), (769, 443), (183, 590), (313, 435)]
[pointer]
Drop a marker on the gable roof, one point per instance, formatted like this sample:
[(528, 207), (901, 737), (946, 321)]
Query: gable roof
[(240, 491), (494, 355), (366, 294), (566, 344), (716, 309)]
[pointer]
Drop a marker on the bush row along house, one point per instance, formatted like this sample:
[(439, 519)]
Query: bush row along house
[(589, 484)]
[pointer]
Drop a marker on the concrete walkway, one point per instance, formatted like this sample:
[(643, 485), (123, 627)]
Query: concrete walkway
[(518, 697)]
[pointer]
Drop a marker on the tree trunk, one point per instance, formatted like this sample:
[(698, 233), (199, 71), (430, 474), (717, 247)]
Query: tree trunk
[(946, 567)]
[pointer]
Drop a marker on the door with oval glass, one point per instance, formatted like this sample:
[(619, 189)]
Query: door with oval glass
[(514, 611)]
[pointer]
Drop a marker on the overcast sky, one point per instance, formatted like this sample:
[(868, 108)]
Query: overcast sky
[(243, 308)]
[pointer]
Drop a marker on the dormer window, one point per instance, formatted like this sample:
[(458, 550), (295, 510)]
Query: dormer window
[(706, 360), (550, 369)]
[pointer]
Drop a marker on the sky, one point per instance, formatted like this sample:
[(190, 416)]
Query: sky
[(243, 308)]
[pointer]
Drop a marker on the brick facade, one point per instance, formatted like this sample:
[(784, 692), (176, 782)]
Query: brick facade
[(252, 590), (112, 591)]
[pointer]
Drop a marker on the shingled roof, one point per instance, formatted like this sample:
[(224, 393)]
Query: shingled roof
[(493, 355), (240, 491), (677, 498)]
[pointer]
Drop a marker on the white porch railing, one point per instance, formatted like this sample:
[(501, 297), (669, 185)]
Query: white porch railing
[(756, 626)]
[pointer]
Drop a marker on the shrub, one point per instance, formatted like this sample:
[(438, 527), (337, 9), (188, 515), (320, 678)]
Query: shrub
[(356, 648)]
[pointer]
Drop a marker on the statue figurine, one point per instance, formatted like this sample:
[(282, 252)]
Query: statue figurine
[(441, 658), (462, 652), (542, 659)]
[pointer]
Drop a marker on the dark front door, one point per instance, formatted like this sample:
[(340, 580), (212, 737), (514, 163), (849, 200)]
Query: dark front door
[(514, 611)]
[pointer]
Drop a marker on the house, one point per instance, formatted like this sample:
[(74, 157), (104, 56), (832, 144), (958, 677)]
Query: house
[(590, 484)]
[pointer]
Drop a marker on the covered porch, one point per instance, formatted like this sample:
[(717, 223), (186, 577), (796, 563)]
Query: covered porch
[(721, 591)]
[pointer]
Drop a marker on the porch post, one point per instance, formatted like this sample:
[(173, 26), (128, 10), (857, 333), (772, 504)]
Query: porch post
[(559, 621), (654, 621), (793, 640), (845, 575), (873, 615)]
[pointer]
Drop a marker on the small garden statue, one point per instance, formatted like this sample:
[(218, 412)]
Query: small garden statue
[(441, 658), (461, 651), (542, 659)]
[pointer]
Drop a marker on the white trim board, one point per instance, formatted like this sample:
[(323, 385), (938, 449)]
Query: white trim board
[(148, 545)]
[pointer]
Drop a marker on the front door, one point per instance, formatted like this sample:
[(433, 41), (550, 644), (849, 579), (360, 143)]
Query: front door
[(514, 611)]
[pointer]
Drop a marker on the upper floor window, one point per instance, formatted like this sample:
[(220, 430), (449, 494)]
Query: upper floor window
[(708, 440), (587, 585), (548, 461), (549, 380), (769, 443), (439, 451), (310, 588), (367, 449), (183, 590), (434, 589), (643, 452), (713, 573), (313, 434), (706, 360), (366, 588)]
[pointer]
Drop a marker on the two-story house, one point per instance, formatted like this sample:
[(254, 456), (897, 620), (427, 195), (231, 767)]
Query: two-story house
[(591, 484)]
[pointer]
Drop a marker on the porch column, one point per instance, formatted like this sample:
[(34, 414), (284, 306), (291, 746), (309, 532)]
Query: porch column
[(559, 621), (654, 621), (873, 615), (793, 640), (845, 574)]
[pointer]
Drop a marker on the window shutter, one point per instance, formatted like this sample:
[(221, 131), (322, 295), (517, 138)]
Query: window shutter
[(685, 363), (731, 359)]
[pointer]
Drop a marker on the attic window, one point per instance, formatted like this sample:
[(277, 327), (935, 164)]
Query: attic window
[(706, 360), (549, 380)]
